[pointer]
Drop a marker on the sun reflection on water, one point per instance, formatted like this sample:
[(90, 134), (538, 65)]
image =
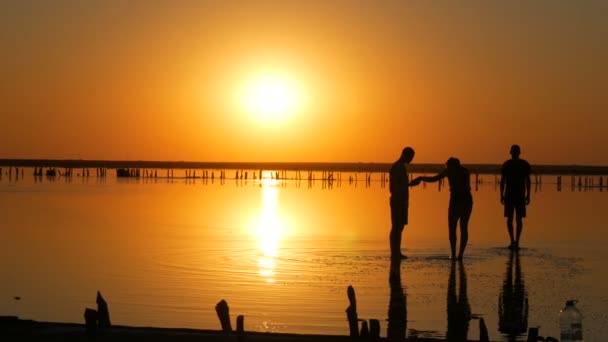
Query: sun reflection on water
[(269, 228)]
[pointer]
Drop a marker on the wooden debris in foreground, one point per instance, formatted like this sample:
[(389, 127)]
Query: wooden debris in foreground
[(351, 312), (223, 313), (103, 315)]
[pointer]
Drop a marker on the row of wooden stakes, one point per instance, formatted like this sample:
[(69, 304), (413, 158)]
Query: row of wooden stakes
[(100, 318)]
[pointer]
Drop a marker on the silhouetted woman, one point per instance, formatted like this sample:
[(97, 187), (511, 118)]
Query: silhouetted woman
[(461, 202)]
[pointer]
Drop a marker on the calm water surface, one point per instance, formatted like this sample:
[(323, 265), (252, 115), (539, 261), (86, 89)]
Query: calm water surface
[(163, 252)]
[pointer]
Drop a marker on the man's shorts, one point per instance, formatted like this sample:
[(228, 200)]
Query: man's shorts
[(398, 212), (517, 207)]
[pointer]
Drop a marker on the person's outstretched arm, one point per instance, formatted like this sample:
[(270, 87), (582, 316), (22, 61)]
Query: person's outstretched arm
[(434, 178)]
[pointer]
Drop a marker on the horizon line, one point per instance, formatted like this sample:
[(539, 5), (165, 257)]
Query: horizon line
[(317, 166)]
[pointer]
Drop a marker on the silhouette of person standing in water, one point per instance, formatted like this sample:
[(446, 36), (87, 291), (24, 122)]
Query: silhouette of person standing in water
[(399, 201), (515, 193), (461, 202)]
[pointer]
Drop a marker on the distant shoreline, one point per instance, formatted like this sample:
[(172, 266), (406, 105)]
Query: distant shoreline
[(291, 166)]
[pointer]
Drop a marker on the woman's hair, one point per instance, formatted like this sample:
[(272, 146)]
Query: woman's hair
[(453, 162)]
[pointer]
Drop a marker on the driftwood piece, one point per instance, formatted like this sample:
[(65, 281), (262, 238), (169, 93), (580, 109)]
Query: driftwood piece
[(240, 328), (240, 324), (103, 315), (364, 330), (223, 313), (90, 319), (483, 331), (374, 329), (351, 312), (532, 334)]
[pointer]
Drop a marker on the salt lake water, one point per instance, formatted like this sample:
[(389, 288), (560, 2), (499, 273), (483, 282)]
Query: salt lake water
[(163, 252)]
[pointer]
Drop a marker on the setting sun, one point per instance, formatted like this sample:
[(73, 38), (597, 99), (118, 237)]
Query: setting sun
[(271, 97)]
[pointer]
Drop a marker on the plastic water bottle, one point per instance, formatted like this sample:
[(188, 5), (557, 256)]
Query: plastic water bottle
[(571, 323)]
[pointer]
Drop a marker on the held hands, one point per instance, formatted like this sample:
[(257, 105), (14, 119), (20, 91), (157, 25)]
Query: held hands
[(415, 181)]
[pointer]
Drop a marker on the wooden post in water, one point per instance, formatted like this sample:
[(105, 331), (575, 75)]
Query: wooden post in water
[(483, 331), (240, 328), (573, 182), (364, 330), (223, 313), (533, 335), (374, 329), (103, 315), (351, 312), (90, 319)]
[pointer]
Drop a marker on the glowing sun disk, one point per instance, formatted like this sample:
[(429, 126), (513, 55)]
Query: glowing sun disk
[(271, 97)]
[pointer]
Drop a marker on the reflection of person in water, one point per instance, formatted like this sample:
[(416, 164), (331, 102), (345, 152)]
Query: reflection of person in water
[(459, 310), (513, 301), (397, 307)]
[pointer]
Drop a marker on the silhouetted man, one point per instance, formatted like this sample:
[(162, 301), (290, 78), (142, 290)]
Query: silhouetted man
[(399, 183), (515, 192)]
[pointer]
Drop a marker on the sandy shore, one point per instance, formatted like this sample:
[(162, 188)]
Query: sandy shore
[(14, 329)]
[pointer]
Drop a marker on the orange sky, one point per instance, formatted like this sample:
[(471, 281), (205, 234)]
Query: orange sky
[(160, 80)]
